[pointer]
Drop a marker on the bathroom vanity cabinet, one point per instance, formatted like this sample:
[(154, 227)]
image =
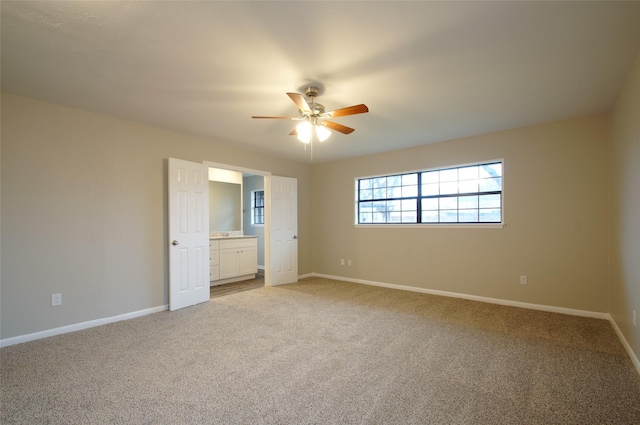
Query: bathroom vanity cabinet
[(233, 259)]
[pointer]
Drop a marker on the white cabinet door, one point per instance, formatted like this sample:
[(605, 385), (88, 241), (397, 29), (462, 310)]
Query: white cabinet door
[(248, 260), (238, 257), (229, 263)]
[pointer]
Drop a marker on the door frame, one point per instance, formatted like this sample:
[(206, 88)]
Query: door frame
[(267, 209)]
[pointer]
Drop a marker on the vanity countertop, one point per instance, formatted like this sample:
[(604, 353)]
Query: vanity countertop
[(214, 238)]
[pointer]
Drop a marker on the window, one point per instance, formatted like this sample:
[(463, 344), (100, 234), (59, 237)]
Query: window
[(257, 207), (466, 194)]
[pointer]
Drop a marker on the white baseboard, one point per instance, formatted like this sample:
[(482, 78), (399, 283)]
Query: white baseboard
[(541, 307), (79, 326), (99, 322), (632, 355)]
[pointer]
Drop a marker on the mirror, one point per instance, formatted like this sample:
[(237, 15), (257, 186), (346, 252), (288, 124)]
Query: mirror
[(225, 206)]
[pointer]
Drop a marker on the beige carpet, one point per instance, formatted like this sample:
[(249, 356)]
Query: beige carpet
[(327, 352)]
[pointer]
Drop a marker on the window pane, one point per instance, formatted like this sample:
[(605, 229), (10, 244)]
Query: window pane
[(409, 179), (395, 217), (430, 189), (394, 205), (429, 216), (491, 170), (468, 216), (409, 217), (448, 216), (394, 181), (430, 177), (468, 173), (468, 186), (449, 203), (366, 218), (449, 175), (379, 182), (448, 188), (394, 192), (366, 207), (492, 184), (429, 204), (366, 194), (490, 215), (408, 191), (489, 201), (366, 184), (379, 218), (467, 202), (409, 205)]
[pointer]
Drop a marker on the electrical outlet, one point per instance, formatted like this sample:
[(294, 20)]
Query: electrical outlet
[(56, 299), (349, 263), (342, 261), (523, 280)]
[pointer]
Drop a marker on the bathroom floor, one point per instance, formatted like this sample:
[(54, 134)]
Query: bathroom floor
[(235, 287)]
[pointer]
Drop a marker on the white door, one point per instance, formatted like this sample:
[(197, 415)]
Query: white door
[(284, 230), (188, 233)]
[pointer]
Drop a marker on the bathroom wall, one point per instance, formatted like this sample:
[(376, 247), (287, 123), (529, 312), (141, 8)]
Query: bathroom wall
[(251, 183)]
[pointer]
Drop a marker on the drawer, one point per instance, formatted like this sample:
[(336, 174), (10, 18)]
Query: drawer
[(214, 273), (239, 243), (214, 257), (214, 244)]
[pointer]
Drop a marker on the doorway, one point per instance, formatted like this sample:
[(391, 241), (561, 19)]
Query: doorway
[(188, 208), (251, 180)]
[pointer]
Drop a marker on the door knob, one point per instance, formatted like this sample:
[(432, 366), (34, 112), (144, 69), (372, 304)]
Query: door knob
[(174, 242), (295, 237)]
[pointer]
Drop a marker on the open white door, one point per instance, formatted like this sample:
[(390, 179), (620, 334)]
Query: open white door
[(188, 234), (284, 230)]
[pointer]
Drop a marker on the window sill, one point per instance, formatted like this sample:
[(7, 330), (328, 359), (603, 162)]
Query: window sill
[(434, 226)]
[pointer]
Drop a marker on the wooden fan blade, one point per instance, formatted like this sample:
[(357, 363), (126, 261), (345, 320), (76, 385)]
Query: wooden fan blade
[(349, 110), (294, 132), (298, 99), (338, 127), (274, 118)]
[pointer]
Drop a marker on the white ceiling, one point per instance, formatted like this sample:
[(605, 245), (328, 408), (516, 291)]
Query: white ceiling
[(428, 71)]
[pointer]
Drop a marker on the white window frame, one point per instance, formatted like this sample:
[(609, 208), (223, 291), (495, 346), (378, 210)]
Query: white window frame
[(253, 207), (488, 225)]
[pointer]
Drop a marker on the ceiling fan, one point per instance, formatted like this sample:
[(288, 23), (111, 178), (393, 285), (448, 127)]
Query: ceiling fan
[(314, 117)]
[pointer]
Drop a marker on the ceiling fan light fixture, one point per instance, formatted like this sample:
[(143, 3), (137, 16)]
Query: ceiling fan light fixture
[(323, 133), (304, 132)]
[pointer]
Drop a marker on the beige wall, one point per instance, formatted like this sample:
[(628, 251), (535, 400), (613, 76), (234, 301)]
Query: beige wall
[(624, 277), (84, 212), (555, 191)]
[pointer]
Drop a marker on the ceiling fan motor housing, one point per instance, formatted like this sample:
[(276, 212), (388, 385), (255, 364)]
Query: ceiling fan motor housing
[(312, 91)]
